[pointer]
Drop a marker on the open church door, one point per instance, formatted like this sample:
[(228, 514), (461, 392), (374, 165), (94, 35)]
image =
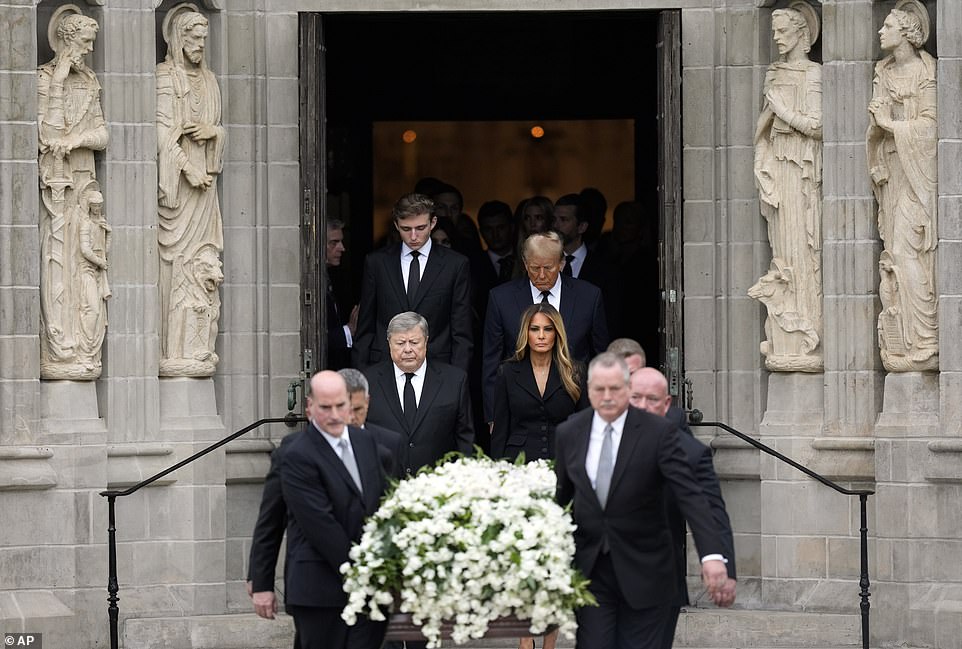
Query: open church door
[(669, 200), (312, 127)]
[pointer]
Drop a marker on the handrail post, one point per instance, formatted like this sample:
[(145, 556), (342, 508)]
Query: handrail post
[(112, 585), (863, 581)]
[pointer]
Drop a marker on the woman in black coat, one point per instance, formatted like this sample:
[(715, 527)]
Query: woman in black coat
[(537, 389)]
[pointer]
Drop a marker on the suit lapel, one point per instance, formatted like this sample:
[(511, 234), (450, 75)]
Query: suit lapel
[(579, 473), (630, 435), (330, 457), (435, 266), (395, 276), (553, 383), (388, 385), (525, 377), (429, 390), (367, 467), (567, 309)]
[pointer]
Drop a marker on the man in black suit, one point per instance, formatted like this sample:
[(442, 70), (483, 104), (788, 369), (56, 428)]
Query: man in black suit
[(332, 480), (613, 462), (272, 516), (572, 222), (340, 335), (649, 391), (427, 401), (580, 304), (415, 275)]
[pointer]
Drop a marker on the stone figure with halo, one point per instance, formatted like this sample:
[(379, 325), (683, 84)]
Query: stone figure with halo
[(73, 231), (190, 145)]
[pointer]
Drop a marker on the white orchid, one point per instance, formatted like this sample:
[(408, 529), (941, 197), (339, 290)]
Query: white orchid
[(466, 543)]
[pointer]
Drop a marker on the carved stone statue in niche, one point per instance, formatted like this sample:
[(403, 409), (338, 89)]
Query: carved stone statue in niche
[(901, 142), (788, 174), (71, 127), (190, 143)]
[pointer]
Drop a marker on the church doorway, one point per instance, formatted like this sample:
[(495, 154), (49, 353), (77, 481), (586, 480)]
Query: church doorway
[(503, 105)]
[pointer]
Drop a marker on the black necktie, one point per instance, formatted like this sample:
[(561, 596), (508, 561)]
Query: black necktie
[(414, 277), (410, 401), (544, 296), (567, 269)]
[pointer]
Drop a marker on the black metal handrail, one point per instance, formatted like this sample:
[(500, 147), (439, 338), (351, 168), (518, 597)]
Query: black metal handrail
[(862, 494), (113, 611)]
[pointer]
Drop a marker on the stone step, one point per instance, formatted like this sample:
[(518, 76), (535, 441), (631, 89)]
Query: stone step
[(697, 628)]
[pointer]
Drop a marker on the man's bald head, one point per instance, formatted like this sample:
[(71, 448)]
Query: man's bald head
[(648, 390), (328, 406)]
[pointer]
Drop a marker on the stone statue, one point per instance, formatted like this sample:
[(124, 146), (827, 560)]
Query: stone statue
[(71, 127), (901, 146), (190, 143), (788, 174)]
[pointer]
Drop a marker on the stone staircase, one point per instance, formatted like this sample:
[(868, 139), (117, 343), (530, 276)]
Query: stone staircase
[(697, 628)]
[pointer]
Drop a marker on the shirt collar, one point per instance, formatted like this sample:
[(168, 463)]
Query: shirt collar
[(554, 290), (331, 439), (580, 253), (419, 372), (618, 424), (425, 250)]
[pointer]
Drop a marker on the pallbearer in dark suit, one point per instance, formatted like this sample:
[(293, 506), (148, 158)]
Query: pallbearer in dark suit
[(332, 480), (415, 275), (427, 401), (580, 305), (613, 463), (649, 391), (537, 389)]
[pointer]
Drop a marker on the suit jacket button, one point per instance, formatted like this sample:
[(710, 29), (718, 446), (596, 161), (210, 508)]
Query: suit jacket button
[(544, 438), (408, 470), (411, 444), (544, 428)]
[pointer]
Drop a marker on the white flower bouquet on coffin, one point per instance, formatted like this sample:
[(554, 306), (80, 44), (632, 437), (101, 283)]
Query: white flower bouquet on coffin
[(465, 544)]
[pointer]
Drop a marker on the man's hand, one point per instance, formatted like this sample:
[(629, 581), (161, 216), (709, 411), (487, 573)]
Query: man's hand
[(714, 574), (725, 597), (265, 604)]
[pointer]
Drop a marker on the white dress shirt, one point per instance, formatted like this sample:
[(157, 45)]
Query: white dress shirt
[(417, 381), (554, 297), (578, 261), (597, 439), (333, 441), (406, 260)]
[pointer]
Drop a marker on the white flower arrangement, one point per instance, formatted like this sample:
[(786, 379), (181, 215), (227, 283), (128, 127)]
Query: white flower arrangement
[(469, 542)]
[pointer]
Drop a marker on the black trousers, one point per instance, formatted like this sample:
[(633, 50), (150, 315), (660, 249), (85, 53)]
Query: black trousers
[(613, 624), (319, 627), (668, 637)]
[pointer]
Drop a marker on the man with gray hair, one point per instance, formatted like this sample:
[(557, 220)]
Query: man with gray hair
[(407, 387), (613, 462)]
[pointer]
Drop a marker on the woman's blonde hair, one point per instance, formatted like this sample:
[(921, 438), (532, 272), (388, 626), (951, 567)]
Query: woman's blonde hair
[(570, 375)]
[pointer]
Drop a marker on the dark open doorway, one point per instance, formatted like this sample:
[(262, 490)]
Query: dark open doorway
[(522, 67)]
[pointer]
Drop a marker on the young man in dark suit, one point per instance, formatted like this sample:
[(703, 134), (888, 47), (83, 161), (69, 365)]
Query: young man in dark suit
[(580, 305), (427, 401), (415, 275), (331, 479), (613, 462), (648, 391)]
